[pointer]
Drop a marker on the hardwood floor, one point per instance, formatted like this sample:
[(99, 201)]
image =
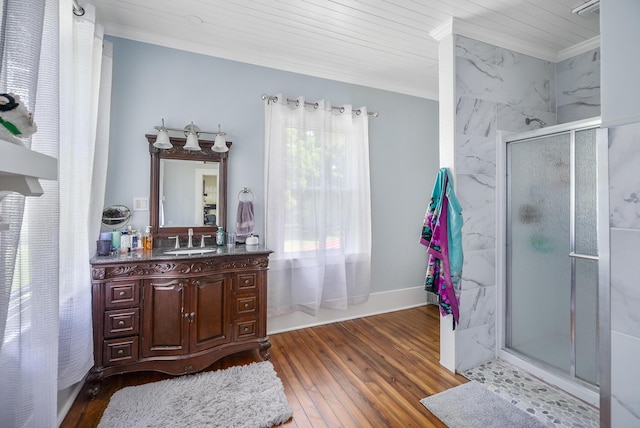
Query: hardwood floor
[(367, 372)]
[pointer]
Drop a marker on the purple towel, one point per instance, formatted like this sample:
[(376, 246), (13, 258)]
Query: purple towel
[(245, 220)]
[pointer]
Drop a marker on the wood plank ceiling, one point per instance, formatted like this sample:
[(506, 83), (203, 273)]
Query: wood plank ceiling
[(384, 44)]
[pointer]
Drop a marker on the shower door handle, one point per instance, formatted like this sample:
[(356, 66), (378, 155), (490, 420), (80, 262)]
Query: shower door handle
[(583, 256)]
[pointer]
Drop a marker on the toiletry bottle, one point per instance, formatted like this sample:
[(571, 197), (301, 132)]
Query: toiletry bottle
[(131, 233), (148, 239), (139, 245), (125, 242), (134, 240), (220, 236)]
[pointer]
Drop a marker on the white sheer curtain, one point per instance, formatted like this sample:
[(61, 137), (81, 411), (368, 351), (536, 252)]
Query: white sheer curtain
[(86, 83), (45, 304), (318, 205), (29, 294)]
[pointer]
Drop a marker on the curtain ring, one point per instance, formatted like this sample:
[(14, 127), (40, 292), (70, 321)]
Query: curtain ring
[(358, 112), (341, 109), (316, 105), (297, 103)]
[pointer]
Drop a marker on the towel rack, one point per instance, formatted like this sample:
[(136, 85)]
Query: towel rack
[(248, 194)]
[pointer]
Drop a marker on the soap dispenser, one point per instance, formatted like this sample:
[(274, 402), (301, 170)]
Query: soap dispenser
[(147, 240), (220, 236)]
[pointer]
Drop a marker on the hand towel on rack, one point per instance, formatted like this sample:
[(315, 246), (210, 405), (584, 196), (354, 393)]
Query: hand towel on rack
[(245, 220)]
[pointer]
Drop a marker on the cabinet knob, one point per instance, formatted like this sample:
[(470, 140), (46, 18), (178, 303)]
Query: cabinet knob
[(122, 293), (120, 352), (120, 322), (246, 329), (246, 305), (246, 281)]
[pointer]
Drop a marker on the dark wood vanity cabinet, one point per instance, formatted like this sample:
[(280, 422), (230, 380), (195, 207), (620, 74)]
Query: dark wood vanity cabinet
[(185, 316), (177, 315)]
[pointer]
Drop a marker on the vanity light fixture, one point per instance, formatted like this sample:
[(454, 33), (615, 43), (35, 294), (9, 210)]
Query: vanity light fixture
[(192, 132), (163, 141), (220, 144)]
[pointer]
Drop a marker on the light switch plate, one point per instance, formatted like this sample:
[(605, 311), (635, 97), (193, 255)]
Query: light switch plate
[(140, 204)]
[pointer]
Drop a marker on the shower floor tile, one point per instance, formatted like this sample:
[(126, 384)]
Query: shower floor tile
[(549, 404)]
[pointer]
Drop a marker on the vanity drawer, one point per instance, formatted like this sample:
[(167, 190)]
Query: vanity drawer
[(121, 322), (246, 305), (121, 294), (120, 351), (246, 282), (246, 329)]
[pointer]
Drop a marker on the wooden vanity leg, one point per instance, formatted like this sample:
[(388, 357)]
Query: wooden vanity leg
[(94, 382), (263, 349)]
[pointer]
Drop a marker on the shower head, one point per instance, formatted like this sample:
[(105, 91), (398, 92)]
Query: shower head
[(528, 121)]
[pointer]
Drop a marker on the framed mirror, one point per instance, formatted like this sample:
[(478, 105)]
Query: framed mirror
[(188, 189)]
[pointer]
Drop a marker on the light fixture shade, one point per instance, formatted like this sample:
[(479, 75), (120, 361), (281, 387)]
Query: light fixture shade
[(163, 141), (220, 144), (192, 142)]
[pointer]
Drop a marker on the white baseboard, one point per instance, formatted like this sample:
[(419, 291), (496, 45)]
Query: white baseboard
[(68, 396), (378, 303)]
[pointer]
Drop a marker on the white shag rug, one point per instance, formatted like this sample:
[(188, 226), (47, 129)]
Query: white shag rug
[(250, 396)]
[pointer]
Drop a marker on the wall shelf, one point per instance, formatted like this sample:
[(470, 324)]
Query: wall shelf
[(20, 169)]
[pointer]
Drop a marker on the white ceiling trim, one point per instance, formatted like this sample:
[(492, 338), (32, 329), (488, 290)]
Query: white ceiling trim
[(496, 38), (398, 86), (442, 30), (460, 27), (578, 49)]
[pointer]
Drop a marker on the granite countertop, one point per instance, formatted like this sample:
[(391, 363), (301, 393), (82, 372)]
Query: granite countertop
[(160, 254)]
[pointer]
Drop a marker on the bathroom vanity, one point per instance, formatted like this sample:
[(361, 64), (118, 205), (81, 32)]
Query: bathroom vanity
[(177, 314), (178, 311)]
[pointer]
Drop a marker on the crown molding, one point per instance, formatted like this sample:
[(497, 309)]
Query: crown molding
[(443, 30), (578, 49), (407, 88), (496, 38)]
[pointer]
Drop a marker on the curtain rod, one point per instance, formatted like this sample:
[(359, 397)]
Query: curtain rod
[(315, 105), (77, 9)]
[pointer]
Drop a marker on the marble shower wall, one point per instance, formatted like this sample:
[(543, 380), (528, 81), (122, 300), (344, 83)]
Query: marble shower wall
[(578, 87), (496, 89), (624, 221)]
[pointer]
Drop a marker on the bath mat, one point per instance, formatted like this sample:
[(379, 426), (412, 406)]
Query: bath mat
[(473, 406), (248, 396)]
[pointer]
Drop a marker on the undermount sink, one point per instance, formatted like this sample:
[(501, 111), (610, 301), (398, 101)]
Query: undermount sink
[(189, 251)]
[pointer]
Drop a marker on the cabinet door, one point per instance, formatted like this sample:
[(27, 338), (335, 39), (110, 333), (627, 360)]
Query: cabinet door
[(210, 305), (165, 318)]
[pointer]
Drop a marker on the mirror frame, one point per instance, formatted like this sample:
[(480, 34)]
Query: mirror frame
[(178, 152)]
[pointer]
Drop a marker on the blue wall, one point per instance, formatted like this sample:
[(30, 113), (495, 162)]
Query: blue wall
[(152, 82)]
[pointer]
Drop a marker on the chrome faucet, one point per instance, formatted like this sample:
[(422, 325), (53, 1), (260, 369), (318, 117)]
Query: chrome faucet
[(177, 238), (190, 244), (202, 240)]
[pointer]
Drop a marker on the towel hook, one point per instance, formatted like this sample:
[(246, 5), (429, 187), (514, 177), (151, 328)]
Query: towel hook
[(245, 191)]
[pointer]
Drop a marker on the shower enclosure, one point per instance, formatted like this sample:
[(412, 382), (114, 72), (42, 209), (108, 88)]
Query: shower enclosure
[(550, 295)]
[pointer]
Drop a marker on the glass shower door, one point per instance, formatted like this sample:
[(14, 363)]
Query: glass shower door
[(552, 251), (584, 257)]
